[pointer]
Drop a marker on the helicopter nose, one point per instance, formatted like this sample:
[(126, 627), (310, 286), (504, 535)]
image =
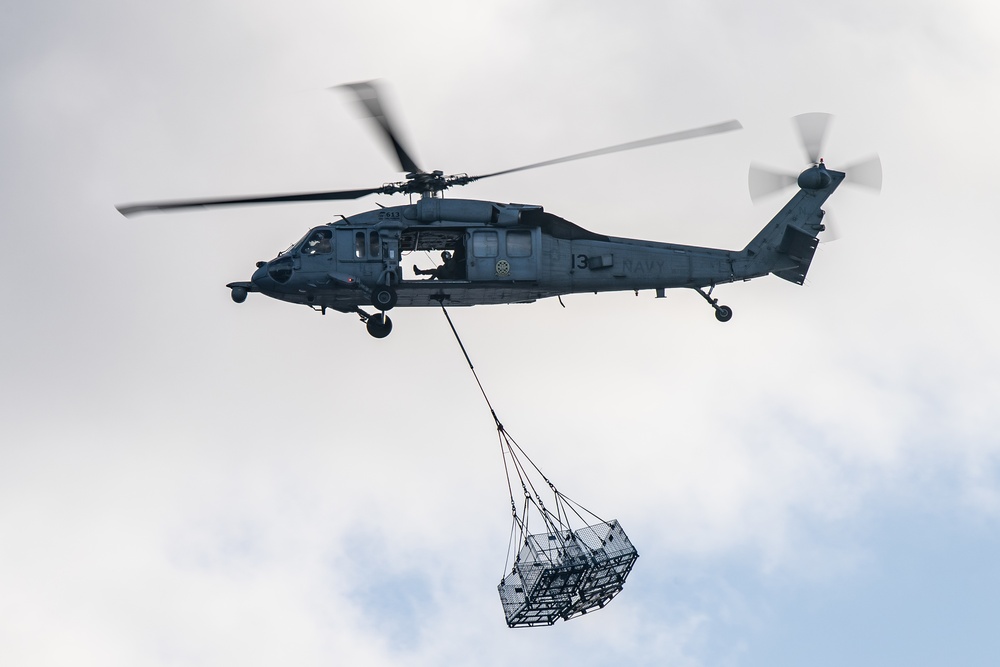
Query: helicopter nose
[(259, 274), (261, 278)]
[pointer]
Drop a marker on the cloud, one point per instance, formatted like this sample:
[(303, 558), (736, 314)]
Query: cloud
[(190, 481)]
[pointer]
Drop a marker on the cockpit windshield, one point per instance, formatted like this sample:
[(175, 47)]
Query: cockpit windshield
[(319, 242), (280, 269)]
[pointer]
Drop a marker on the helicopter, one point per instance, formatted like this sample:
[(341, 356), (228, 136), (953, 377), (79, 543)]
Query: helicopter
[(502, 253)]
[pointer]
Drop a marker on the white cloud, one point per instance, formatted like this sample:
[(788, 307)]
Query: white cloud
[(188, 481)]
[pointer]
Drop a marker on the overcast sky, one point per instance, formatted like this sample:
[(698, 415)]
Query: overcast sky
[(188, 481)]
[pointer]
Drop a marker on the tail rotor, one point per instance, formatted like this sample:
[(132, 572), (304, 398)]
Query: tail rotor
[(812, 129)]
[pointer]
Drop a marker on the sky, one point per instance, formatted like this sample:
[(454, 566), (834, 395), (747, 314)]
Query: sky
[(189, 481)]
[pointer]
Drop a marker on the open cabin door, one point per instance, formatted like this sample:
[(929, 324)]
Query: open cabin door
[(428, 245)]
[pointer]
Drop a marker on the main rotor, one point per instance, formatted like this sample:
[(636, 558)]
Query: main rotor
[(418, 181)]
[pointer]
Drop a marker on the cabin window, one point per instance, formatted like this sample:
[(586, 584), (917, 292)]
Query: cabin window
[(374, 247), (485, 244), (359, 245), (320, 242), (519, 243)]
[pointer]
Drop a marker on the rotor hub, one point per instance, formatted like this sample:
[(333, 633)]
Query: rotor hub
[(815, 177)]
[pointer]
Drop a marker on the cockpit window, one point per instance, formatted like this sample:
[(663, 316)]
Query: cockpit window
[(320, 242), (280, 269)]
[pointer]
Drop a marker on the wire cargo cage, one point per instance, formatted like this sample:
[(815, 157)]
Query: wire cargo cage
[(566, 574)]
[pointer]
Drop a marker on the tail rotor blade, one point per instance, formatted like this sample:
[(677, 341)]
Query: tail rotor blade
[(764, 180), (812, 132), (833, 231), (866, 172)]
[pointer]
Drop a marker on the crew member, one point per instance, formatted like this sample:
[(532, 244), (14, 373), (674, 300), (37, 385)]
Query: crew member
[(448, 270)]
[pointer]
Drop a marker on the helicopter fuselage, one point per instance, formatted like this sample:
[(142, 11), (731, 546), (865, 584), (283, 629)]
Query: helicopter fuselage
[(510, 254), (514, 253)]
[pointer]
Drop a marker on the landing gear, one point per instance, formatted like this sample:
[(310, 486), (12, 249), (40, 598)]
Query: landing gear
[(384, 298), (722, 313), (379, 326)]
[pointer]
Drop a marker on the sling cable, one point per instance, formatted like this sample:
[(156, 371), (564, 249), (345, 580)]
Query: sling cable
[(559, 572)]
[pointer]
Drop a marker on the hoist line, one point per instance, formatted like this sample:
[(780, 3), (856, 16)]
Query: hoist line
[(533, 465), (526, 483), (510, 545), (472, 368), (554, 523), (559, 496), (502, 436), (501, 433), (506, 473)]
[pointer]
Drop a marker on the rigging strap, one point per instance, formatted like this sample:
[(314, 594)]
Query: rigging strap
[(555, 522)]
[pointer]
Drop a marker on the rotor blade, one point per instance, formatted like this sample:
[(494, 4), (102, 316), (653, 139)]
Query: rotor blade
[(652, 141), (368, 97), (866, 172), (833, 231), (812, 131), (764, 180), (146, 207)]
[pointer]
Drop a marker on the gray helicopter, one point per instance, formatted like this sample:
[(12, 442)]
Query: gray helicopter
[(494, 253)]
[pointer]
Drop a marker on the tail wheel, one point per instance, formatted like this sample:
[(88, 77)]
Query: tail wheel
[(379, 326), (384, 298), (723, 313)]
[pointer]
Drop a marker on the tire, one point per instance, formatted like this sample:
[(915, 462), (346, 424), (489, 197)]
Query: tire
[(724, 313), (384, 298), (379, 326)]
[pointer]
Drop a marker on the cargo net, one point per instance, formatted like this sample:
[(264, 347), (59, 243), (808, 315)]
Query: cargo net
[(560, 572)]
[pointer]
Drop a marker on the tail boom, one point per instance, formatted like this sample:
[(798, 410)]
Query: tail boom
[(786, 245)]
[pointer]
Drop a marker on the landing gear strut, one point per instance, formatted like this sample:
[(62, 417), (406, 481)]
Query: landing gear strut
[(722, 313)]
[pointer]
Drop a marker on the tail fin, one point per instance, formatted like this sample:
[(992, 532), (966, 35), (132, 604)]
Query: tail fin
[(786, 245)]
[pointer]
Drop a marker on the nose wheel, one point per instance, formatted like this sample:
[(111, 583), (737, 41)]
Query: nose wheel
[(722, 313)]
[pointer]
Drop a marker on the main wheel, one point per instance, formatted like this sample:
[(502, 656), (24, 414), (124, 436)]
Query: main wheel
[(379, 325), (724, 313), (384, 298)]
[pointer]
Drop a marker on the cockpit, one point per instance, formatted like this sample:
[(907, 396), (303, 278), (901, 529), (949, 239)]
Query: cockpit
[(280, 269), (316, 242), (319, 242)]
